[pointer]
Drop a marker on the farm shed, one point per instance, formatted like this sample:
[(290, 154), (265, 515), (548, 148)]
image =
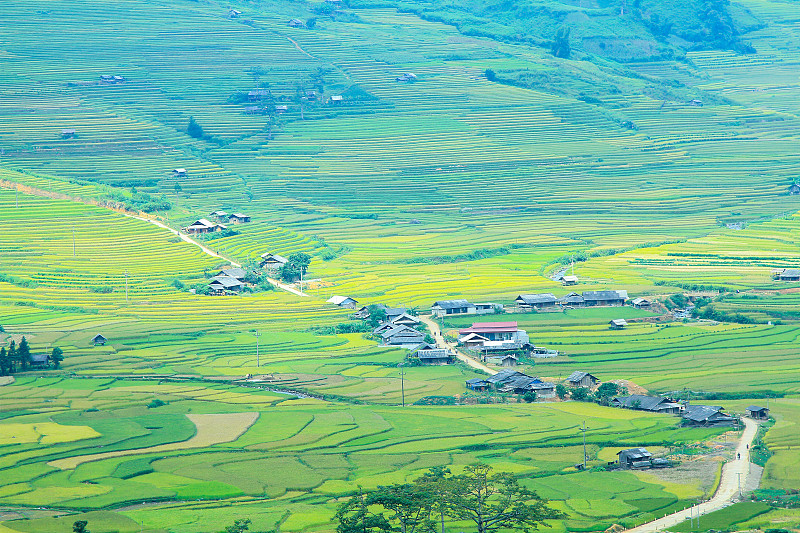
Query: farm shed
[(402, 336), (502, 360), (605, 298), (99, 340), (572, 299), (706, 415), (789, 274), (66, 134), (361, 314), (238, 218), (543, 389), (219, 214), (477, 384), (629, 458), (654, 404), (757, 412), (794, 188), (258, 94), (569, 280), (233, 272), (233, 13), (296, 23), (452, 307), (39, 360), (343, 301), (224, 285), (618, 323), (203, 226), (179, 172), (529, 302), (488, 308), (272, 261), (408, 76), (582, 379), (433, 356), (641, 303)]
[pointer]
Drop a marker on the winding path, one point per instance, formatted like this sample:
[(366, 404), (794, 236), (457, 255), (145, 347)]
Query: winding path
[(727, 492), (441, 343)]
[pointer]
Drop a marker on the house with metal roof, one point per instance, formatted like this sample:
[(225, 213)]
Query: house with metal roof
[(404, 319), (634, 458), (402, 336), (99, 340), (39, 360), (233, 272), (502, 360), (503, 377), (789, 274), (582, 379), (605, 298), (272, 261), (572, 299), (618, 323), (493, 331), (433, 356), (203, 226), (452, 307), (343, 301), (654, 404), (569, 280), (757, 412), (238, 218), (477, 384), (530, 302), (221, 285), (706, 415), (641, 303)]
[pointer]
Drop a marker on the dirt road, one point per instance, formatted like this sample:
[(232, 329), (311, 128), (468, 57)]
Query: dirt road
[(733, 472), (441, 343)]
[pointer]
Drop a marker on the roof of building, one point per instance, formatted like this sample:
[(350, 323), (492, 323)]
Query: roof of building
[(620, 322), (702, 413), (572, 297), (339, 300), (578, 375), (179, 170), (436, 353), (226, 282), (474, 337), (202, 223), (501, 357), (403, 316), (398, 330), (239, 215), (646, 403), (790, 273), (337, 98), (99, 337), (39, 357), (504, 376), (638, 301), (757, 408), (218, 214), (636, 453), (69, 131), (489, 327), (277, 258), (531, 299), (605, 295), (477, 381), (452, 304), (569, 278), (234, 272)]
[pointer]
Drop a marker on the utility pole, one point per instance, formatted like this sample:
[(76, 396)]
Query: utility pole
[(258, 357), (126, 286), (584, 444), (402, 384)]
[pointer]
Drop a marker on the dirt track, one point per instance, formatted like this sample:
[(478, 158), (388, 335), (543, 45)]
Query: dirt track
[(441, 343)]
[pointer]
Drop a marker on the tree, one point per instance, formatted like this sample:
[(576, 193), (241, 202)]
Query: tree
[(80, 526), (491, 75), (194, 129), (580, 394), (12, 354), (561, 391), (57, 356), (296, 266), (411, 504), (5, 364), (239, 526), (529, 396), (354, 516), (24, 353), (560, 47), (377, 315), (437, 482), (495, 501), (606, 391)]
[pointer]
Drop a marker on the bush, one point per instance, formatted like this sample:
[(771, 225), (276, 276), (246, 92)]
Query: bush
[(101, 289), (155, 403)]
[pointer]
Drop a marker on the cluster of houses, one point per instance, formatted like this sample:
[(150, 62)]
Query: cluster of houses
[(204, 225), (513, 382), (108, 78), (548, 301), (407, 77), (692, 414), (258, 95), (494, 339), (229, 280)]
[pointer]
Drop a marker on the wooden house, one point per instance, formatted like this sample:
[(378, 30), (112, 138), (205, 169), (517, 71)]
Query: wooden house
[(572, 300), (473, 340), (296, 23), (221, 285), (67, 134), (706, 416), (582, 379), (503, 378), (39, 360), (531, 302), (203, 226), (654, 404), (605, 298), (757, 412), (452, 307), (343, 301), (233, 272), (362, 314), (505, 360), (569, 280), (272, 261), (493, 331), (794, 188), (402, 336), (641, 303), (223, 215), (233, 13), (433, 356), (404, 319), (543, 389), (488, 308), (477, 384), (238, 218), (618, 323), (634, 458), (99, 340), (789, 274), (179, 173)]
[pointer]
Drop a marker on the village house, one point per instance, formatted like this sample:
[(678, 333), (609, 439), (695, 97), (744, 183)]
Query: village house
[(505, 360), (605, 298), (179, 172), (219, 215), (452, 307), (477, 384), (529, 302), (233, 272), (118, 79), (337, 99), (654, 404), (488, 308), (272, 261), (99, 340), (696, 103), (281, 109), (794, 188), (383, 327), (402, 336), (569, 280), (233, 13), (343, 301), (572, 300), (222, 285), (107, 78), (512, 381), (238, 218), (433, 356), (582, 379), (404, 319), (203, 226), (641, 303), (473, 340), (503, 377), (618, 323), (495, 331), (408, 76), (392, 312), (39, 360), (296, 23), (706, 415), (634, 458), (67, 134), (258, 94), (788, 274), (759, 413)]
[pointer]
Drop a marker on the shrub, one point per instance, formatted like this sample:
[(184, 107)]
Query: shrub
[(101, 289), (155, 403)]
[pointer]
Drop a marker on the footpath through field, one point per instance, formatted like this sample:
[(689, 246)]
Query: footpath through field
[(27, 189), (734, 472), (441, 343)]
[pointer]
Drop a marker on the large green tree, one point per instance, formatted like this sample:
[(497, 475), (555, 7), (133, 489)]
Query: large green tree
[(5, 362), (495, 501), (355, 516), (411, 504), (57, 356), (24, 353)]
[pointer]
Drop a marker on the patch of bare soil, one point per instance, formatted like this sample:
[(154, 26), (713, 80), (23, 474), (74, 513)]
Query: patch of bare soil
[(632, 387), (701, 471)]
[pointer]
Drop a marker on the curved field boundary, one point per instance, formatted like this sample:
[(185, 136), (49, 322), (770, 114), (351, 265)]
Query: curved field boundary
[(211, 429)]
